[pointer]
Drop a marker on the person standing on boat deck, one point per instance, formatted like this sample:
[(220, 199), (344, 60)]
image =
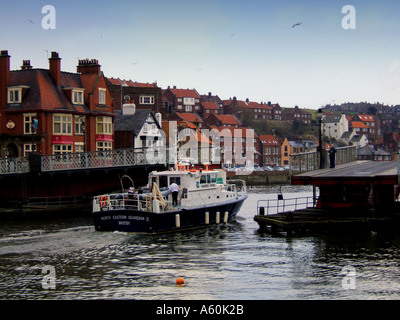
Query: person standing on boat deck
[(332, 154), (174, 189)]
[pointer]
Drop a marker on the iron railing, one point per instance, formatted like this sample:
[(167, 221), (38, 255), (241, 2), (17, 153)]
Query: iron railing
[(274, 206), (14, 165), (308, 161)]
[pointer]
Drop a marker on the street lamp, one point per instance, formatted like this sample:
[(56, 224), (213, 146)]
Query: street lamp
[(320, 149), (83, 126)]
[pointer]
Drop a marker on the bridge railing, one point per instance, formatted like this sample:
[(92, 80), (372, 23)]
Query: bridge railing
[(14, 165), (82, 160), (308, 161), (91, 160)]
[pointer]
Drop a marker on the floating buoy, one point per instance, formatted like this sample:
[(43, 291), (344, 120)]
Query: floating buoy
[(180, 281)]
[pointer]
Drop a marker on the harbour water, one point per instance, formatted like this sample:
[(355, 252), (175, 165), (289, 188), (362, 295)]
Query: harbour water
[(67, 259)]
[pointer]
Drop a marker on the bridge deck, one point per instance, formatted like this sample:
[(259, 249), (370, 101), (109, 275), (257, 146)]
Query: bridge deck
[(354, 172)]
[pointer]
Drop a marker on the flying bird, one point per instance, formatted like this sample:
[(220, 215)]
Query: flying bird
[(297, 24), (33, 22)]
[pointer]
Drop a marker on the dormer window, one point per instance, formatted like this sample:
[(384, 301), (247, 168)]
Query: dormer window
[(14, 95), (77, 96)]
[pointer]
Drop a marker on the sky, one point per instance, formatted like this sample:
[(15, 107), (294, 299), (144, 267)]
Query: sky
[(244, 49)]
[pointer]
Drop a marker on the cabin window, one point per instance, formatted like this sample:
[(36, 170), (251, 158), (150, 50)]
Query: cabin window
[(177, 180), (203, 179), (213, 178)]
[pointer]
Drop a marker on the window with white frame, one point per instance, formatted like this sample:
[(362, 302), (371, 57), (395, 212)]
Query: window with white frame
[(103, 145), (28, 148), (188, 108), (188, 101), (28, 118), (146, 100), (14, 95), (79, 121), (103, 125), (62, 148), (102, 96), (62, 124), (77, 96)]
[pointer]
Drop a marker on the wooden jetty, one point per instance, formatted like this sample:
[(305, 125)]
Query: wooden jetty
[(360, 195)]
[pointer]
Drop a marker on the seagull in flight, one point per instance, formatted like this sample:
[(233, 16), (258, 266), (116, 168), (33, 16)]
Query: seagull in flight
[(297, 24)]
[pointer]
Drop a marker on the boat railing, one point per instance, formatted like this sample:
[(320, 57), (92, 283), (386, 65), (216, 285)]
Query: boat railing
[(141, 202), (236, 185), (274, 206)]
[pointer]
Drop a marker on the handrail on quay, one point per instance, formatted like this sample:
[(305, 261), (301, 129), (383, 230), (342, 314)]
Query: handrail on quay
[(308, 161)]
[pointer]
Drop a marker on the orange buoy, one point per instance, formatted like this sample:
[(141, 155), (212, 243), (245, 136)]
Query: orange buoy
[(180, 281)]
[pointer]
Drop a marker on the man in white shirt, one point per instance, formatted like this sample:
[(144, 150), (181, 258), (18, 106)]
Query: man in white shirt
[(174, 189)]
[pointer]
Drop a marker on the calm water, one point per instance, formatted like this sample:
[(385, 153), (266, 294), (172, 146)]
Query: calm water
[(231, 262)]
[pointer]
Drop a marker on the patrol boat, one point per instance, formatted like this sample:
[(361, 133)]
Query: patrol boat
[(205, 198)]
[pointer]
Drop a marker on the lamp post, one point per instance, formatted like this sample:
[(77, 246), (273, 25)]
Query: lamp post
[(83, 126), (320, 148)]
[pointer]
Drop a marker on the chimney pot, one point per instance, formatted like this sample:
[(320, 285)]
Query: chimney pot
[(4, 77), (26, 65), (55, 68)]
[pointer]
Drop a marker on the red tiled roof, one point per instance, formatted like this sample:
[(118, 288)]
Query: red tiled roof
[(144, 85), (228, 119), (358, 124), (185, 93), (247, 104), (43, 93), (269, 139), (366, 117), (189, 117), (210, 105)]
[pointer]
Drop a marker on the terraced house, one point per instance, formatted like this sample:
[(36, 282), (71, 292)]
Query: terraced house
[(54, 112)]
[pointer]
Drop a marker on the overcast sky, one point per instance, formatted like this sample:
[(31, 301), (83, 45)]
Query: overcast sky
[(246, 49)]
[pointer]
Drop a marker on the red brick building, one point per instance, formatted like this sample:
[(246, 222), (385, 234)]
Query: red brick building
[(54, 112), (180, 100), (270, 150), (144, 95)]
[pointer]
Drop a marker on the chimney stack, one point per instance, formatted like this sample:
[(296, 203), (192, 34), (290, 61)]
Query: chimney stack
[(26, 65), (4, 77), (87, 66), (55, 68)]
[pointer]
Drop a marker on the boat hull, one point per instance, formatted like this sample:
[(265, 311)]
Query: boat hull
[(131, 220)]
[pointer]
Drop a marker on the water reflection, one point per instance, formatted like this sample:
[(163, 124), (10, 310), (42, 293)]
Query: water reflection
[(235, 261)]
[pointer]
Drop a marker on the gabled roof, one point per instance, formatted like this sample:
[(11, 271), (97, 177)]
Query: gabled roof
[(133, 122), (185, 93)]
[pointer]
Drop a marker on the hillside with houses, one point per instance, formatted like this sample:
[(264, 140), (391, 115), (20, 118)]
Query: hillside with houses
[(49, 111)]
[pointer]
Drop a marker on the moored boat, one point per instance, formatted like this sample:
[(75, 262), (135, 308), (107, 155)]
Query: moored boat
[(204, 198)]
